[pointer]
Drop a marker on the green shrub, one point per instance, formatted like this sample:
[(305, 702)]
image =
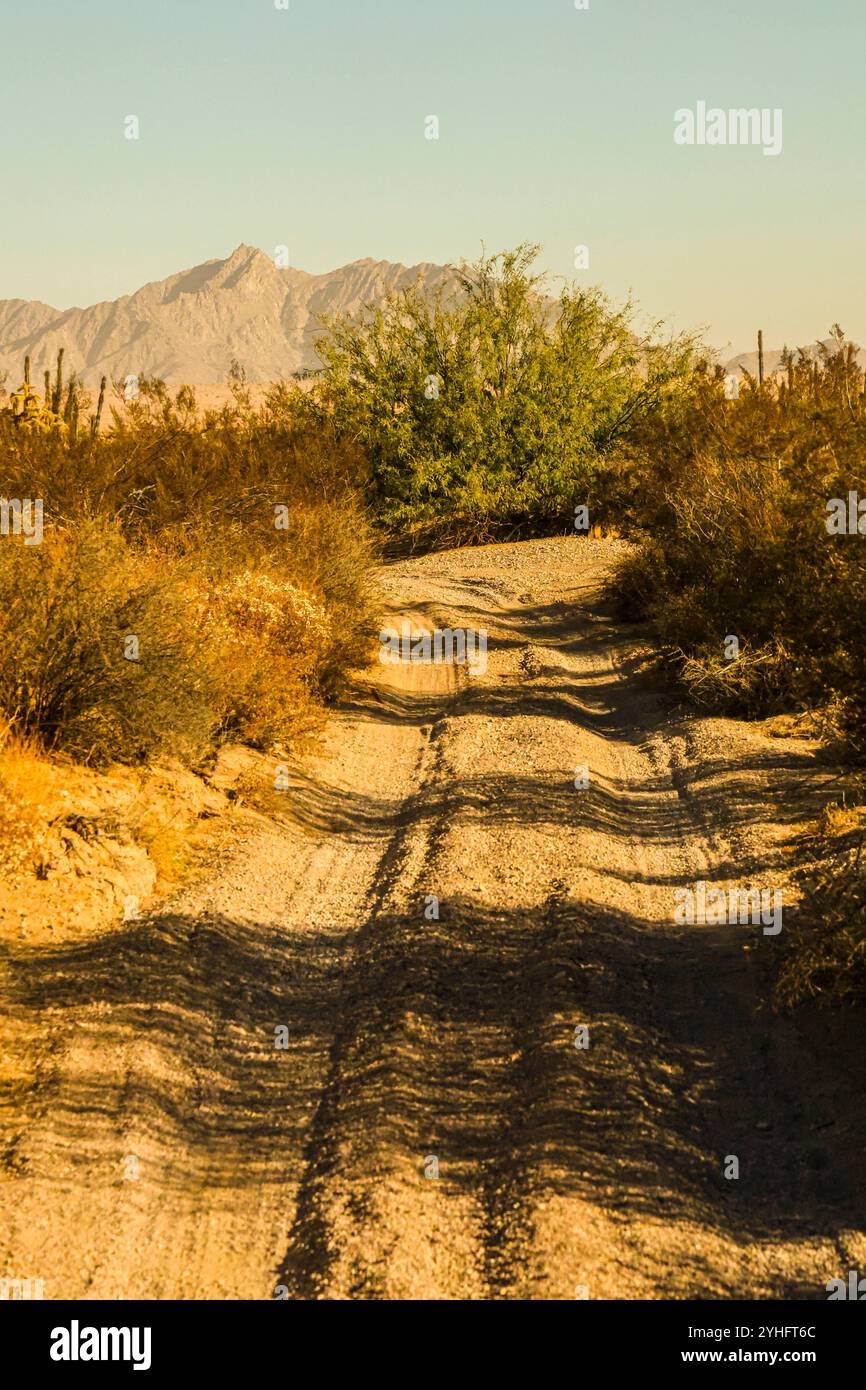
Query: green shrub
[(487, 409)]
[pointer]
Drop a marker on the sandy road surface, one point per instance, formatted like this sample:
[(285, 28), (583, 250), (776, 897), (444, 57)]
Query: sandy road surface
[(156, 1143)]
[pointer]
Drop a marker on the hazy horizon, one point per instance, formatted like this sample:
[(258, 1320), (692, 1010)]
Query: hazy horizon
[(736, 350), (307, 127)]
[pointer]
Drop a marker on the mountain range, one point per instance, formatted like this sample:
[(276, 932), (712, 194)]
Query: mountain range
[(773, 357), (192, 326)]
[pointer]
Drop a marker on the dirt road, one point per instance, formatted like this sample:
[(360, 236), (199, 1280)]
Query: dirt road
[(157, 1142)]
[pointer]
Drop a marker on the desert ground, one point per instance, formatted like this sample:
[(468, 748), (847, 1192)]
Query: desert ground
[(430, 1129)]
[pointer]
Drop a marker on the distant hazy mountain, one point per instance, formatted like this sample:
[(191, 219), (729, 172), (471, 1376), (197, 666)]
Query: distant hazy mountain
[(773, 358), (191, 326)]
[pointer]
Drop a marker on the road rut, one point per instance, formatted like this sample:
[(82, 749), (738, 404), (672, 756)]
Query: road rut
[(445, 909)]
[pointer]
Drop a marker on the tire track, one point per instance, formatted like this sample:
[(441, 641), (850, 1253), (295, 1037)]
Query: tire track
[(433, 1129)]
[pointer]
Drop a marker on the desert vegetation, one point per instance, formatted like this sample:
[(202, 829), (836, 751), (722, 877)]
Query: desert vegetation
[(198, 579), (204, 575), (486, 410), (735, 505), (495, 411), (747, 521)]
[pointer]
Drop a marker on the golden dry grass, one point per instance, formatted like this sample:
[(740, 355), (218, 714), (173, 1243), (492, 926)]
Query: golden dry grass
[(28, 803)]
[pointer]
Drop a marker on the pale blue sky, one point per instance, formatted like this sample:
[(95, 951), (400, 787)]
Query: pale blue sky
[(306, 127)]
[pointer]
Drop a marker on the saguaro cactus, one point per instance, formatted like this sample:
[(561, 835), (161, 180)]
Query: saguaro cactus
[(95, 419), (58, 385), (760, 358), (32, 412)]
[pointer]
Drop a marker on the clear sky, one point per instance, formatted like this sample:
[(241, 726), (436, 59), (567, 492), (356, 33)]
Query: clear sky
[(306, 127)]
